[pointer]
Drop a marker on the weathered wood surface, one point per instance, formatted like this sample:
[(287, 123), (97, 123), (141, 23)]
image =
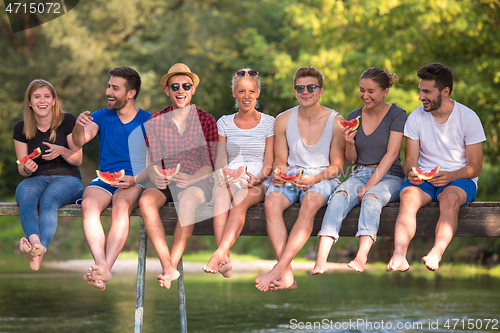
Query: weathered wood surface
[(477, 219)]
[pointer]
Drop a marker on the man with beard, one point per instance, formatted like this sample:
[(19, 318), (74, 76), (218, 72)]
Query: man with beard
[(113, 125), (447, 134)]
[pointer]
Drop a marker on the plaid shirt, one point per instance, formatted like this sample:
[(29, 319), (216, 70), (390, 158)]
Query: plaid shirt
[(193, 149)]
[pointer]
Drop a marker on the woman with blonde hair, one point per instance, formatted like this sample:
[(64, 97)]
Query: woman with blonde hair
[(245, 138), (52, 178)]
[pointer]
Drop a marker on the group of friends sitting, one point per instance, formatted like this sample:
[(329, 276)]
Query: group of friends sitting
[(303, 140)]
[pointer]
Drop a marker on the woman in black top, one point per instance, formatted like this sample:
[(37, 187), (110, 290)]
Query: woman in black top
[(53, 178)]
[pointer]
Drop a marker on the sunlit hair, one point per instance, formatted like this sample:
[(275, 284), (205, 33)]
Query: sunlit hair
[(132, 78), (30, 125), (306, 72), (442, 75), (237, 78), (381, 77)]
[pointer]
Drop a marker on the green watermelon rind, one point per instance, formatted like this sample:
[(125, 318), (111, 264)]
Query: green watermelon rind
[(358, 120), (236, 179), (27, 157), (160, 172), (102, 176), (297, 176), (426, 175)]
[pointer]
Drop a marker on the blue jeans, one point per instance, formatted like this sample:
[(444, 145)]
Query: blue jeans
[(387, 190), (293, 194), (49, 193)]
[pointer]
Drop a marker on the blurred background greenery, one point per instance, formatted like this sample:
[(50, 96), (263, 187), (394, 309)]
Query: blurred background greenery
[(275, 37)]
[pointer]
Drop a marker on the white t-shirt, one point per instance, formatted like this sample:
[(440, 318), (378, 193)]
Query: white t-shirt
[(246, 146), (444, 144)]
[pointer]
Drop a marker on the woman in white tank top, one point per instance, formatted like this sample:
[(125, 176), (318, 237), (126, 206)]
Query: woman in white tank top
[(245, 138)]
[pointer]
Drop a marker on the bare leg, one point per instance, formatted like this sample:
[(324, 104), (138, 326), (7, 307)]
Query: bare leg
[(325, 244), (189, 200), (365, 244), (244, 200), (222, 203), (450, 201), (301, 231), (95, 200), (412, 198), (150, 203)]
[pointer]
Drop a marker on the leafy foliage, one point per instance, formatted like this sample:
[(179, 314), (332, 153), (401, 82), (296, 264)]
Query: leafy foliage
[(216, 38)]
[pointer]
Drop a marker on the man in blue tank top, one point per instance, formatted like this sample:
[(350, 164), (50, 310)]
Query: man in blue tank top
[(308, 140), (114, 125)]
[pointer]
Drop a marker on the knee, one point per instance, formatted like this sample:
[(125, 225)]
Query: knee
[(145, 203), (189, 204), (272, 205), (309, 207), (449, 201)]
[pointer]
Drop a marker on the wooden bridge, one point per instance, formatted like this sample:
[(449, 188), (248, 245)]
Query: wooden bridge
[(477, 219)]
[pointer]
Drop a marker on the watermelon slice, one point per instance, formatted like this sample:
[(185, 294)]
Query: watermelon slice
[(352, 125), (167, 173), (290, 178), (110, 177), (233, 175), (426, 175), (37, 152)]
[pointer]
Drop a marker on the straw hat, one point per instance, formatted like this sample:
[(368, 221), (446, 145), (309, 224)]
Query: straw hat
[(179, 68)]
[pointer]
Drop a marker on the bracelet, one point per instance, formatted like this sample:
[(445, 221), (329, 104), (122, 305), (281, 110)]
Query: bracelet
[(408, 173)]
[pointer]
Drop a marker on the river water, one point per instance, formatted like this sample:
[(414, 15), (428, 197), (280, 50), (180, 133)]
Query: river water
[(53, 301)]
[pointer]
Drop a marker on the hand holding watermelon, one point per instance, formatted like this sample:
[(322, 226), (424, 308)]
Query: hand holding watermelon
[(110, 177), (227, 175), (350, 125), (37, 152), (426, 175), (280, 178)]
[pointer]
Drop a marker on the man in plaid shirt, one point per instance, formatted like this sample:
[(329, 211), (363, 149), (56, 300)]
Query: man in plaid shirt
[(180, 134)]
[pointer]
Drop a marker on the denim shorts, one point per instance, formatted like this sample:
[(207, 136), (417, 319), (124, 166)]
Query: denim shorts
[(467, 185), (293, 194), (96, 182)]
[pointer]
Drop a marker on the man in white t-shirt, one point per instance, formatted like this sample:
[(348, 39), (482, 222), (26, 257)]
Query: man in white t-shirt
[(447, 134)]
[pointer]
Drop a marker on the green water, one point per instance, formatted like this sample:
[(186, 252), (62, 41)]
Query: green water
[(63, 302)]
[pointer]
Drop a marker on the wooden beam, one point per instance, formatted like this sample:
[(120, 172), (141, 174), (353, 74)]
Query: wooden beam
[(477, 219)]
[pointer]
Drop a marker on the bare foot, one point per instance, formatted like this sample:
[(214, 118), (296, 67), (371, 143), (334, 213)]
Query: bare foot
[(286, 282), (99, 272), (431, 261), (165, 279), (263, 282), (213, 264), (25, 246), (319, 268), (398, 263), (358, 264), (35, 262), (38, 250), (225, 268), (98, 284)]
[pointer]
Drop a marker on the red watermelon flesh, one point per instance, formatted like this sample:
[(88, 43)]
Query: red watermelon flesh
[(110, 177), (37, 152), (426, 175), (352, 125), (290, 178), (233, 175), (167, 173)]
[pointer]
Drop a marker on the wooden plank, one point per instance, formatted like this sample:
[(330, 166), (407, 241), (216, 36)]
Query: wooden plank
[(478, 219)]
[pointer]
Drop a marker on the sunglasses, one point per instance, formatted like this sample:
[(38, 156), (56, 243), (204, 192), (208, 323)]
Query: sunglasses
[(176, 86), (310, 87), (250, 72)]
